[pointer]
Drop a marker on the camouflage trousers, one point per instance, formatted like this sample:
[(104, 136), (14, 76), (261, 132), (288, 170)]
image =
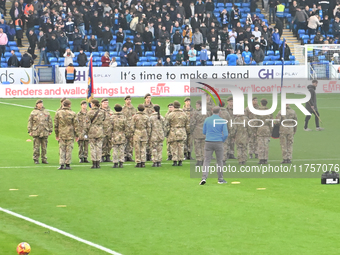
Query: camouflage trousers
[(129, 146), (168, 152), (177, 150), (231, 146), (263, 146), (83, 146), (157, 149), (96, 145), (106, 146), (37, 143), (225, 150), (65, 151), (118, 152), (242, 152), (188, 144), (199, 149), (140, 151), (148, 148), (286, 142), (253, 143)]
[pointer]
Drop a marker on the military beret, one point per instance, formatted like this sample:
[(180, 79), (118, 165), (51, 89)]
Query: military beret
[(63, 99), (128, 96), (264, 100), (222, 105), (230, 98), (171, 104), (67, 102), (141, 107), (177, 104), (187, 99), (147, 95), (83, 102), (95, 101), (104, 100), (254, 98), (38, 101), (199, 102)]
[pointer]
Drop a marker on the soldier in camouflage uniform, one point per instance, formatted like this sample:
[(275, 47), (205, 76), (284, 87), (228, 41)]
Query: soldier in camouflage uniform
[(196, 131), (224, 114), (107, 133), (287, 133), (95, 132), (170, 109), (263, 133), (177, 130), (210, 105), (148, 111), (231, 139), (188, 143), (61, 104), (141, 133), (241, 134), (128, 111), (65, 129), (119, 126), (83, 142), (39, 127), (253, 130), (157, 124)]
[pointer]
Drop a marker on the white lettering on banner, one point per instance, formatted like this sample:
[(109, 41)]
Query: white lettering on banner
[(16, 75), (183, 74)]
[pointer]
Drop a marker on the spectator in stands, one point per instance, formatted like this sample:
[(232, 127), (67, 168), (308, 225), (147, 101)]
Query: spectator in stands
[(227, 49), (32, 39), (147, 39), (280, 8), (276, 39), (336, 27), (204, 32), (197, 39), (168, 62), (99, 33), (69, 29), (107, 21), (232, 37), (190, 12), (93, 45), (240, 58), (213, 47), (263, 44), (107, 37), (235, 16), (224, 37), (82, 58), (163, 34), (192, 56), (187, 34), (70, 73), (186, 54), (19, 31), (232, 58), (13, 60), (204, 56), (77, 40), (213, 34), (159, 62), (246, 56), (138, 41), (168, 48), (26, 60), (85, 43), (177, 40), (42, 45), (253, 6), (287, 51), (258, 55), (63, 43), (10, 30), (200, 9), (179, 58), (209, 7), (195, 22), (140, 27), (256, 32), (123, 57), (68, 55), (16, 11), (106, 59), (113, 62), (128, 44), (160, 50), (300, 20), (224, 18), (325, 25), (53, 46), (120, 39), (313, 24), (181, 10)]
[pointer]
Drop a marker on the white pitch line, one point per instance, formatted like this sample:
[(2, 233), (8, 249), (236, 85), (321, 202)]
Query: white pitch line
[(60, 232), (24, 106)]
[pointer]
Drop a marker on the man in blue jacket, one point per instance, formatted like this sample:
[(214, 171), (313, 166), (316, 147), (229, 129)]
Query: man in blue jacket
[(216, 132), (123, 57)]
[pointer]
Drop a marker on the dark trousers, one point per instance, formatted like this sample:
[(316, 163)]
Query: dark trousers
[(147, 47), (203, 63), (2, 50), (316, 119), (138, 50), (209, 148), (213, 53)]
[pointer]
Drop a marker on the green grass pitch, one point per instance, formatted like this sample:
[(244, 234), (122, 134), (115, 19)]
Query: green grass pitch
[(156, 211)]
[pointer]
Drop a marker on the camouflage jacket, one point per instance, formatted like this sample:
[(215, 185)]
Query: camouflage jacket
[(157, 128), (148, 109), (188, 111), (40, 123), (128, 113), (177, 126), (267, 128), (230, 111), (240, 131), (81, 117), (224, 114), (66, 124), (107, 122), (95, 129), (196, 124), (249, 114), (141, 127), (167, 114), (119, 124), (290, 114)]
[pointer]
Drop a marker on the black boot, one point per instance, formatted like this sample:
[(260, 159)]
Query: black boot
[(44, 161), (198, 163), (36, 161), (138, 165), (189, 155), (150, 158), (261, 161), (185, 155), (115, 165), (103, 159), (154, 164), (94, 164), (120, 164), (284, 161), (68, 167), (175, 163), (288, 161), (108, 159), (142, 164), (98, 164), (126, 159), (62, 167), (180, 163), (130, 159), (265, 161), (81, 160), (85, 160), (256, 156), (159, 164), (231, 156)]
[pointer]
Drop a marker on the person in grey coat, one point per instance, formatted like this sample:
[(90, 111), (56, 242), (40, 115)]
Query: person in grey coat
[(312, 107), (198, 39), (258, 55)]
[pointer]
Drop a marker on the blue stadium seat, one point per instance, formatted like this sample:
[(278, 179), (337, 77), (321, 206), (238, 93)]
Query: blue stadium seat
[(54, 63), (100, 48), (95, 54), (296, 62), (152, 59), (88, 54), (139, 64), (184, 63), (301, 31), (267, 58), (146, 63), (75, 64), (198, 63), (277, 53), (278, 63), (112, 48), (228, 5), (61, 63), (153, 48), (3, 65), (18, 54), (246, 5), (12, 43), (70, 43), (8, 54), (320, 57), (253, 63), (97, 64), (277, 57), (97, 59), (52, 59), (237, 4), (153, 63), (287, 63), (118, 59), (270, 52), (312, 37), (113, 54), (292, 58), (304, 37), (143, 59), (270, 63), (149, 53), (118, 63), (220, 5), (209, 63), (265, 62)]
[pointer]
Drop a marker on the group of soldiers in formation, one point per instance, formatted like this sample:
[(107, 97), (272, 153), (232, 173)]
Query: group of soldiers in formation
[(144, 129)]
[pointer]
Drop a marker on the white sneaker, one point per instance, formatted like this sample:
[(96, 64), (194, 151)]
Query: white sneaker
[(307, 129), (203, 182), (319, 129)]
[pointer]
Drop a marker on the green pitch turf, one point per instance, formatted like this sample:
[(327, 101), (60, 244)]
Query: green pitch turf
[(156, 211)]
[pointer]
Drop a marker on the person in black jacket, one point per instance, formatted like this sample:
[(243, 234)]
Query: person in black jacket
[(287, 51), (107, 37), (82, 58), (120, 39), (147, 39), (132, 58), (77, 40), (128, 44), (138, 41), (160, 51), (13, 60), (53, 46), (213, 49), (177, 40), (312, 107), (26, 60), (32, 39), (42, 45)]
